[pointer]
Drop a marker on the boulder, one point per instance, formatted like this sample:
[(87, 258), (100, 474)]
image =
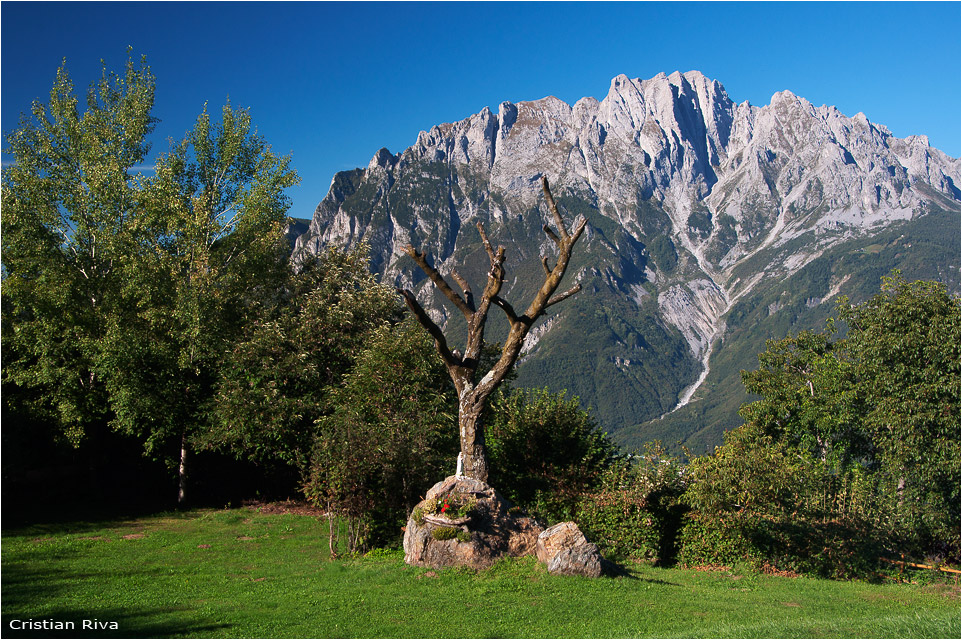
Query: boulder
[(582, 560), (465, 522), (552, 540), (566, 551)]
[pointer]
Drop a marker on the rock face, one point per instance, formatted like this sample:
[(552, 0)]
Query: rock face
[(702, 214), (437, 537), (567, 552)]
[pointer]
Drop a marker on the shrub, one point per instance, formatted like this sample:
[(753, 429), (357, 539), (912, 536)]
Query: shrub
[(619, 524), (714, 539), (828, 549), (770, 505), (637, 513), (545, 451)]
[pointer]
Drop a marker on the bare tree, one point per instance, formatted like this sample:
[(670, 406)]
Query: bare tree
[(463, 367)]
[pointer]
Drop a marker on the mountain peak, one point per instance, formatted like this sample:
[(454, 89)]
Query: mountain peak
[(382, 159), (697, 209)]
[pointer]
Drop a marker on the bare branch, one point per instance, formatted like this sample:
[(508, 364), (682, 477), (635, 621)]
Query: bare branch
[(551, 234), (581, 227), (507, 308), (463, 368), (451, 359), (439, 281), (563, 296), (487, 243), (461, 281), (468, 295), (553, 207), (545, 296), (492, 287), (495, 274)]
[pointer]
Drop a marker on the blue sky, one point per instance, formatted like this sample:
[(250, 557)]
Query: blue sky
[(331, 83)]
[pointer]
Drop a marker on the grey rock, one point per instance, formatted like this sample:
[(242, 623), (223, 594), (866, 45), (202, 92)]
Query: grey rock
[(554, 539), (492, 531), (566, 551), (582, 560)]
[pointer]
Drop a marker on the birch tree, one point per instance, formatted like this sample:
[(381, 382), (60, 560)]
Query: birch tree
[(121, 290), (210, 242)]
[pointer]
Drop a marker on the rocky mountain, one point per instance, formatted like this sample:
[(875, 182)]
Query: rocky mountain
[(711, 227)]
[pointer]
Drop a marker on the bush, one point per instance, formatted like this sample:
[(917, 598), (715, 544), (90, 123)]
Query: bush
[(715, 539), (637, 512), (545, 451), (828, 549), (620, 524), (770, 505)]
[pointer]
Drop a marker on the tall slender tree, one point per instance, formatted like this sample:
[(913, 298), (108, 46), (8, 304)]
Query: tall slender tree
[(69, 203), (463, 366), (210, 244), (121, 292)]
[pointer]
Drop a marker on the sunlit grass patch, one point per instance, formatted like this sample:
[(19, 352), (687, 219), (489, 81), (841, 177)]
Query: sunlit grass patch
[(239, 573)]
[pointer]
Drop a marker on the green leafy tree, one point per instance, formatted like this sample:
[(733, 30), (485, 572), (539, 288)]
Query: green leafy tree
[(752, 472), (70, 201), (904, 343), (808, 396), (121, 292), (210, 247), (276, 380), (771, 504), (387, 437), (853, 439)]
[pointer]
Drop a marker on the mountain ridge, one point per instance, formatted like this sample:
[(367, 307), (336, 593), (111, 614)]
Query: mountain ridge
[(694, 205)]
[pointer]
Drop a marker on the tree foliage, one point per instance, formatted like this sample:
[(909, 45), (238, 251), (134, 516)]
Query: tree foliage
[(277, 379), (387, 435), (853, 439), (808, 396), (770, 504), (904, 345), (69, 204), (209, 237), (545, 450), (636, 511), (121, 291)]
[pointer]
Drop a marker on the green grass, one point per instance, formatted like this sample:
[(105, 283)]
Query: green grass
[(239, 573)]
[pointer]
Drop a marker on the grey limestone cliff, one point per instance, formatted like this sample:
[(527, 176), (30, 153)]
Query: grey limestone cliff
[(694, 204)]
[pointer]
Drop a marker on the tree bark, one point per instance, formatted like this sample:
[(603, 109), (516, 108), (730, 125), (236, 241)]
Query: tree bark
[(471, 430)]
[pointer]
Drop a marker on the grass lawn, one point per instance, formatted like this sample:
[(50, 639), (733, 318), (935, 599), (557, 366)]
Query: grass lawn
[(239, 573)]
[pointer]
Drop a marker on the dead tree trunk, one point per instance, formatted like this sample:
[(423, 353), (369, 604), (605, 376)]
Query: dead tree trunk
[(473, 394)]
